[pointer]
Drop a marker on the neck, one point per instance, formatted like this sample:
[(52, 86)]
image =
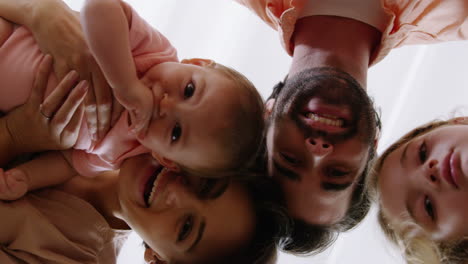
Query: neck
[(101, 193), (329, 41)]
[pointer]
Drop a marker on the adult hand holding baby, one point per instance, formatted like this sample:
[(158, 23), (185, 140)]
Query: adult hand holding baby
[(61, 36), (52, 124)]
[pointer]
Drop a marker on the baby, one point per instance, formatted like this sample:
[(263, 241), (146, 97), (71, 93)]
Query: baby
[(195, 116)]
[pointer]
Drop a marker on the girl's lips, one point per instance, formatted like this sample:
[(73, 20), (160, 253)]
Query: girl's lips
[(449, 169), (455, 167)]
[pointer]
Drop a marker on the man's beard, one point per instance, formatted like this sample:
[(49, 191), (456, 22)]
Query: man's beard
[(332, 87)]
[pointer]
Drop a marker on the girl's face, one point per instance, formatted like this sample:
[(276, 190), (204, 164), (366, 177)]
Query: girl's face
[(426, 181), (167, 210)]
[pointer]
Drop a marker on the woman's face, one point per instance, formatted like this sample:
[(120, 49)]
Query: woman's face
[(174, 220), (425, 180)]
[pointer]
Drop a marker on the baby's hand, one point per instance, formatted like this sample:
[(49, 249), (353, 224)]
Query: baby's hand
[(138, 100), (13, 184)]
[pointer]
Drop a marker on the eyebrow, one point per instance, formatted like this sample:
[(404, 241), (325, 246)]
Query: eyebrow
[(327, 186), (201, 230), (286, 172), (403, 156)]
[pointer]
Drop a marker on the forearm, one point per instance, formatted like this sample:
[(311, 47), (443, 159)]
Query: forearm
[(26, 12), (49, 169), (106, 27)]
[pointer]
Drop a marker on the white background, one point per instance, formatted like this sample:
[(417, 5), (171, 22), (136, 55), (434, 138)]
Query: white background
[(411, 86)]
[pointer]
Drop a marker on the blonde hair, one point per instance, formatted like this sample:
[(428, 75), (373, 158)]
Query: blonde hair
[(243, 139), (416, 245)]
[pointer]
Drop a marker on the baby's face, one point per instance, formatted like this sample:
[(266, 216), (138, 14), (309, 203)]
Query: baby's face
[(425, 181), (195, 103)]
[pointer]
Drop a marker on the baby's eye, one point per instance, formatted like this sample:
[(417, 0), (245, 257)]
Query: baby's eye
[(429, 208), (189, 90), (176, 133), (186, 228), (422, 152)]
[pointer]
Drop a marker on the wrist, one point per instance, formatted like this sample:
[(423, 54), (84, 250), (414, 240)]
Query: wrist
[(16, 142), (7, 141), (41, 11)]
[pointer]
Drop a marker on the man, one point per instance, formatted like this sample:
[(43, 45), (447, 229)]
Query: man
[(322, 128)]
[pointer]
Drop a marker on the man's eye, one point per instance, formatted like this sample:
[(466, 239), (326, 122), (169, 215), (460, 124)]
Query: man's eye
[(186, 228), (429, 208), (336, 173), (289, 159), (176, 132), (422, 152), (189, 90)]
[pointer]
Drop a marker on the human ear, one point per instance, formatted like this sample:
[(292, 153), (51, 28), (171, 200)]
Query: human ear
[(269, 108), (152, 258), (198, 62), (462, 120), (169, 164)]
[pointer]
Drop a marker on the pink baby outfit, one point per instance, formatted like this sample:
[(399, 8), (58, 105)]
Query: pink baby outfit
[(51, 226), (406, 21), (20, 59)]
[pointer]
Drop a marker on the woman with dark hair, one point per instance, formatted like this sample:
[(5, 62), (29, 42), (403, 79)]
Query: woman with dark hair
[(181, 218)]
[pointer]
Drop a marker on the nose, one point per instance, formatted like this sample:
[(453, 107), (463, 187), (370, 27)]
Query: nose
[(319, 147), (432, 174), (166, 105), (179, 194)]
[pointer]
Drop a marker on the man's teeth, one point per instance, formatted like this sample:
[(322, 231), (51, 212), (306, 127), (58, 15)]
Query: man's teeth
[(326, 119)]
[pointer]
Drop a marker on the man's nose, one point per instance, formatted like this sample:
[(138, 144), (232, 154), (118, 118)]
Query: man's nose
[(318, 146)]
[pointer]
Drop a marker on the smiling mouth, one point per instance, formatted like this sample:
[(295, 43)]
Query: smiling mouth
[(325, 119), (150, 186)]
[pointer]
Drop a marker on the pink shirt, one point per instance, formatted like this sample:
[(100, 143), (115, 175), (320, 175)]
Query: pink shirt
[(409, 21), (51, 226), (20, 58)]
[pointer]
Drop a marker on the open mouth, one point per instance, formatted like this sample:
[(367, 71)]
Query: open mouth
[(325, 119), (150, 187)]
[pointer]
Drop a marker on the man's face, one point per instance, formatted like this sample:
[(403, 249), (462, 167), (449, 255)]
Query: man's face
[(318, 146)]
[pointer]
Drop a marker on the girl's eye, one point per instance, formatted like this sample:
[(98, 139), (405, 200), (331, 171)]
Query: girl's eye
[(189, 90), (429, 208), (289, 159), (185, 229), (176, 132), (422, 152), (336, 173)]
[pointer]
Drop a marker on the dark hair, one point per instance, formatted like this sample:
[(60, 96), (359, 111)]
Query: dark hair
[(272, 226), (240, 140), (308, 238)]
